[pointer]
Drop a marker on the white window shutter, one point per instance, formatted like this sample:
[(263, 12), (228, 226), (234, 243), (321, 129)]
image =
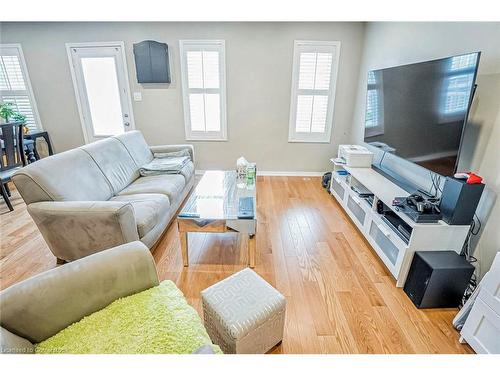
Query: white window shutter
[(374, 114), (14, 84), (195, 69), (313, 88), (460, 75), (203, 85), (210, 69)]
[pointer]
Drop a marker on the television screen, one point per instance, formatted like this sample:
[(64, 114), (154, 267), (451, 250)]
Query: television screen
[(418, 111)]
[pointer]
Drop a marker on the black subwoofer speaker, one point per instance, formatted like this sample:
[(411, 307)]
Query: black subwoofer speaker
[(437, 279)]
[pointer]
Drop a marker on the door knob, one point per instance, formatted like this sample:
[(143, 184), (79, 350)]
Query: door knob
[(126, 123)]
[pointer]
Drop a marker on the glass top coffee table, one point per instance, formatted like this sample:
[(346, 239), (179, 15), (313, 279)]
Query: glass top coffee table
[(215, 206)]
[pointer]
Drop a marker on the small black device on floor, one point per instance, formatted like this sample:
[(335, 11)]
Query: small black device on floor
[(437, 279), (325, 181), (459, 201), (245, 208)]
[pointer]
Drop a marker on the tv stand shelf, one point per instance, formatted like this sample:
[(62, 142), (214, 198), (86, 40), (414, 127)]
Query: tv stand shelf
[(394, 252)]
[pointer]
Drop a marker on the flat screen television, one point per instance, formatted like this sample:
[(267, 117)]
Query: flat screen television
[(418, 111)]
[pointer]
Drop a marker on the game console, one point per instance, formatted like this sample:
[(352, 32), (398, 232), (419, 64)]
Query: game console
[(418, 208), (355, 156)]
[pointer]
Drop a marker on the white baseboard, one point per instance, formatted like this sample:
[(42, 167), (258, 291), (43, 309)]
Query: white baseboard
[(278, 173), (289, 173)]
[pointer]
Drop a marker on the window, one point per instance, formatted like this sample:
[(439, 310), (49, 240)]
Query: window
[(460, 75), (204, 89), (15, 85), (374, 118), (315, 67)]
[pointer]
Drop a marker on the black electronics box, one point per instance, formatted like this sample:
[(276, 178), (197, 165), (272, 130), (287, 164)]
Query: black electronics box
[(422, 217), (402, 205), (459, 201), (437, 279)]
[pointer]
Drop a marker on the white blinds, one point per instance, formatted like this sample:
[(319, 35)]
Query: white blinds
[(372, 117), (14, 85), (203, 88), (312, 90), (203, 69), (461, 75), (315, 71)]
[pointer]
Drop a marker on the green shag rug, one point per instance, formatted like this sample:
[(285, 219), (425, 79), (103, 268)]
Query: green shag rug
[(157, 320)]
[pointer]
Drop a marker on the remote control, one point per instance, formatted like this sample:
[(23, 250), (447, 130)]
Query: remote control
[(189, 214), (245, 208), (461, 176)]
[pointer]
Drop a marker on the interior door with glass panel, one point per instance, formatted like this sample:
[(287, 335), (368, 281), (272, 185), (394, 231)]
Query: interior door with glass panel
[(101, 84)]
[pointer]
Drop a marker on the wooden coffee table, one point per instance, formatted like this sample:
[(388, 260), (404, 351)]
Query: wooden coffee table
[(213, 208)]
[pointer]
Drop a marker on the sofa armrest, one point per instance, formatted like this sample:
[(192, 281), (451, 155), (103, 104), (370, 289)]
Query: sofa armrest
[(43, 305), (77, 229), (173, 148), (14, 344)]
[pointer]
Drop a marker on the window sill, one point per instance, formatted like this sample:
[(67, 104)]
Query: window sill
[(191, 139), (308, 141)]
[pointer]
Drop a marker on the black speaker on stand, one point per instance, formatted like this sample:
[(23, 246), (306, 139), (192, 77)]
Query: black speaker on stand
[(459, 201)]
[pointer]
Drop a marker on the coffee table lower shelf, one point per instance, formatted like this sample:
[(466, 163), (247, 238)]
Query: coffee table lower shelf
[(245, 227)]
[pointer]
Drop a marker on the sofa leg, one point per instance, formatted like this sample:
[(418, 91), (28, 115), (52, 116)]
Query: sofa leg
[(60, 261)]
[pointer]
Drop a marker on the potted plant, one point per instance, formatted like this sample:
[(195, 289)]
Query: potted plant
[(6, 111), (8, 114)]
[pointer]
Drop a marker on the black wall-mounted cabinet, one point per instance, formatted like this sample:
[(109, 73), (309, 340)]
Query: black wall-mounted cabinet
[(151, 62)]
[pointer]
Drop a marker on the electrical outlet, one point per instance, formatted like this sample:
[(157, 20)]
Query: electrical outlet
[(137, 96)]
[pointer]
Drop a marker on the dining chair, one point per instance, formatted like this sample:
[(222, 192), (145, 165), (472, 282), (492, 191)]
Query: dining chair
[(12, 156)]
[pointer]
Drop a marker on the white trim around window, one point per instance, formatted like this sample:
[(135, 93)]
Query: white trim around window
[(23, 98), (314, 78), (203, 73)]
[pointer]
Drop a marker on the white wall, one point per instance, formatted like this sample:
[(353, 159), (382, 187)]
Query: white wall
[(259, 69), (390, 44)]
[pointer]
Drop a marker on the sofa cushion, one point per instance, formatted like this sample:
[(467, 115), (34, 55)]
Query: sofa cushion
[(148, 209), (114, 161), (188, 171), (170, 185), (157, 320), (137, 147), (69, 176)]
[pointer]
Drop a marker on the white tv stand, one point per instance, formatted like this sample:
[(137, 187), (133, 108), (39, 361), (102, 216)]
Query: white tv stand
[(395, 251)]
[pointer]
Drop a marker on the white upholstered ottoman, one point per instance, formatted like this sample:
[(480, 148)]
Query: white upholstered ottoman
[(244, 314)]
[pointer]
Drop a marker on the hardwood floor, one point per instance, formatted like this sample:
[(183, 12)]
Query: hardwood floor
[(340, 297)]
